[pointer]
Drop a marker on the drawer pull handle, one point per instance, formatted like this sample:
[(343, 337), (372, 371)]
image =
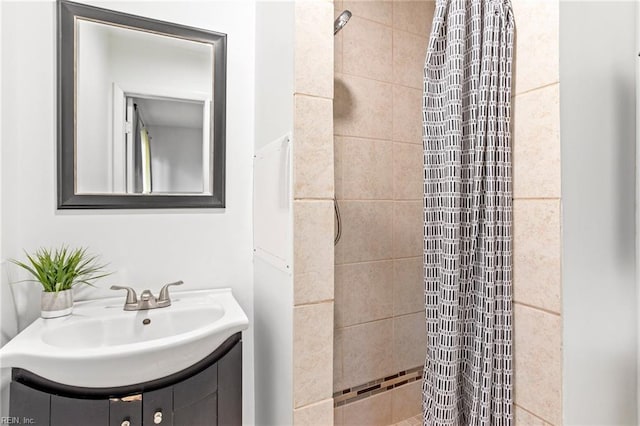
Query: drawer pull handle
[(157, 417)]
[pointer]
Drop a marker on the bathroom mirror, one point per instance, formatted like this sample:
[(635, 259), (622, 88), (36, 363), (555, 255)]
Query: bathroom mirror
[(141, 112)]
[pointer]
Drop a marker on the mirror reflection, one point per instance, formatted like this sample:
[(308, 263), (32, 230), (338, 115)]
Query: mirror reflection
[(141, 112), (144, 112)]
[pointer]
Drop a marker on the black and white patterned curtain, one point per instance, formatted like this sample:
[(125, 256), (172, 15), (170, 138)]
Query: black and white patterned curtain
[(468, 214)]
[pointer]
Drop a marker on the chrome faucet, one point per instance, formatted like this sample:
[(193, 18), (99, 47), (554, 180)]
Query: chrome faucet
[(147, 299)]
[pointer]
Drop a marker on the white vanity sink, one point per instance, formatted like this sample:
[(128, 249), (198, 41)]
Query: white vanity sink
[(101, 345)]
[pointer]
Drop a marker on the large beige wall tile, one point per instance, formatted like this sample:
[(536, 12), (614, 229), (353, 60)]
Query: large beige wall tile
[(409, 52), (366, 231), (317, 414), (337, 56), (409, 341), (407, 171), (313, 148), (314, 48), (537, 276), (407, 114), (538, 362), (312, 353), (366, 172), (378, 11), (408, 286), (338, 416), (338, 141), (367, 351), (413, 16), (373, 411), (313, 251), (367, 49), (337, 44), (338, 377), (524, 418), (536, 144), (364, 292), (536, 61), (362, 107), (406, 401), (407, 229)]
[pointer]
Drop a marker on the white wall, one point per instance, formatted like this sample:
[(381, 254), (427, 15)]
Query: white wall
[(145, 248), (598, 112), (273, 288), (93, 111), (637, 208), (176, 159), (7, 316), (274, 70)]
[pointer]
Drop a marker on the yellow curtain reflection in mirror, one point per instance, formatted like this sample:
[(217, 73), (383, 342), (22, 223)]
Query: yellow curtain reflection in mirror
[(146, 160)]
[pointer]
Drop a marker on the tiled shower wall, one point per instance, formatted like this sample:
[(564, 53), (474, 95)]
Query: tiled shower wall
[(537, 204), (378, 280), (379, 302), (313, 189)]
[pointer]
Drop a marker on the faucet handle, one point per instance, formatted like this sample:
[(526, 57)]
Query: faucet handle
[(131, 293), (164, 292)]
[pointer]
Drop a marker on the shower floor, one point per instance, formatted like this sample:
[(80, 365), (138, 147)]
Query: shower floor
[(411, 421)]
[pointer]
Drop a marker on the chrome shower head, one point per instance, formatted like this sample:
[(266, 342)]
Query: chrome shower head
[(341, 21)]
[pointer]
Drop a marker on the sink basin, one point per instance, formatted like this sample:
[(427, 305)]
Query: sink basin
[(101, 345)]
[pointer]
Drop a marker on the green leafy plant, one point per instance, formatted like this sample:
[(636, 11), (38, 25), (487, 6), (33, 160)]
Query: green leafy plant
[(61, 269)]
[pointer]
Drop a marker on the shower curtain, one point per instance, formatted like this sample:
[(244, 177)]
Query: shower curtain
[(468, 214)]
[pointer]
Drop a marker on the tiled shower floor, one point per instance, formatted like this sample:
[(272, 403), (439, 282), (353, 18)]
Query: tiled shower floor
[(411, 421)]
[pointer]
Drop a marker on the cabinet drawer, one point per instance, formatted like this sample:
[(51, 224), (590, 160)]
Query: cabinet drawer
[(125, 411)]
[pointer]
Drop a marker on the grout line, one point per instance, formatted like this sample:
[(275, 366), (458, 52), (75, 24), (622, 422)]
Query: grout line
[(380, 200), (392, 317), (307, 199), (311, 404), (311, 96), (407, 143), (318, 302), (380, 260), (537, 198), (391, 83), (532, 413), (370, 138), (535, 88), (389, 259), (392, 27), (546, 311), (373, 139), (367, 138)]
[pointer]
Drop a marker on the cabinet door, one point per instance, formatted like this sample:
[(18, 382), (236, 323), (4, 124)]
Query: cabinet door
[(79, 412), (27, 405), (196, 387), (230, 388), (157, 407), (195, 401), (126, 411), (202, 413)]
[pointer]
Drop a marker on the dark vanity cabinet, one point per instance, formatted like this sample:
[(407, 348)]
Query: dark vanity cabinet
[(208, 393)]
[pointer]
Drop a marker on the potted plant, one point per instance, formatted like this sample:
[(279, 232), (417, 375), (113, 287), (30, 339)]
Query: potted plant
[(58, 271)]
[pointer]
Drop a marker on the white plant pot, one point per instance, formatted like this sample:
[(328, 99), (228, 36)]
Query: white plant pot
[(56, 304)]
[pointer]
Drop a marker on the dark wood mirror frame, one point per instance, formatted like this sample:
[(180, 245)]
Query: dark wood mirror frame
[(66, 143)]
